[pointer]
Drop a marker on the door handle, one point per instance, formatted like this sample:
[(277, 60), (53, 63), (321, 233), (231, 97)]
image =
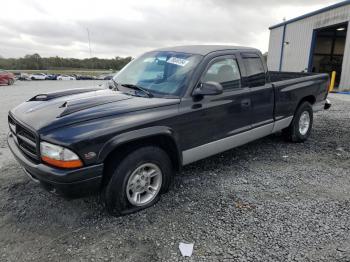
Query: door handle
[(245, 103)]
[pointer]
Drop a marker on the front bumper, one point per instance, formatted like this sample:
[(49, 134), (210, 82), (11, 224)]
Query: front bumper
[(68, 182)]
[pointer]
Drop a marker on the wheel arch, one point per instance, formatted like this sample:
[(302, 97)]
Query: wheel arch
[(120, 145), (310, 98)]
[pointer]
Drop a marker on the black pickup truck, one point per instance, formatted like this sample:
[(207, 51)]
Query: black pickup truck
[(166, 109)]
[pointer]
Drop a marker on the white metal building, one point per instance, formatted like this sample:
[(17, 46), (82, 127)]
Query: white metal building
[(315, 42)]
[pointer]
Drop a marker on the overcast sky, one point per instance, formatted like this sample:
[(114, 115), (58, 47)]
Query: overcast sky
[(130, 27)]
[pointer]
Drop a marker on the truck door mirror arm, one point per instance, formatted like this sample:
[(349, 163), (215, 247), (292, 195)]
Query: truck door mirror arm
[(208, 89)]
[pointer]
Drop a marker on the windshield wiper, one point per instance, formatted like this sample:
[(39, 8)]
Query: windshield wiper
[(115, 84), (136, 87)]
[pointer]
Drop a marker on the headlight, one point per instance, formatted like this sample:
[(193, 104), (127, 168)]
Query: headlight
[(59, 156)]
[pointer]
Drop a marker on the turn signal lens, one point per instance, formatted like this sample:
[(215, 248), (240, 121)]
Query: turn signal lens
[(59, 156)]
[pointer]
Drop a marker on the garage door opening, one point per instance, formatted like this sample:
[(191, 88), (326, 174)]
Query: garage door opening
[(328, 50)]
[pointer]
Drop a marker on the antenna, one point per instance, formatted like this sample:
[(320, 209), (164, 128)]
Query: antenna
[(88, 35)]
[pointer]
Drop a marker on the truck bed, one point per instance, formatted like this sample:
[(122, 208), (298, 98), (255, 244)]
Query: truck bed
[(276, 76), (291, 87)]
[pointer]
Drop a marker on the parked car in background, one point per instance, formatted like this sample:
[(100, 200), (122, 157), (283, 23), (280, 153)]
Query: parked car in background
[(105, 77), (39, 76), (17, 75), (101, 77), (66, 77), (6, 78), (85, 77), (24, 77), (52, 77), (108, 77)]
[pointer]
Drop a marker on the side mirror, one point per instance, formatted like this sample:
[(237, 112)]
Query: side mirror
[(208, 89), (110, 84)]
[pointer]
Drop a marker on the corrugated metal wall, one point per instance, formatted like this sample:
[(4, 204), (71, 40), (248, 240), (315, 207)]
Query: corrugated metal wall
[(299, 35), (273, 59), (345, 75)]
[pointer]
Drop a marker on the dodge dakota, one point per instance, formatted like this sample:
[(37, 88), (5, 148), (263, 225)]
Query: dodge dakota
[(167, 108)]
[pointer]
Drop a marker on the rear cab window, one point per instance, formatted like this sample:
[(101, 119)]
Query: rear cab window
[(223, 70), (256, 75)]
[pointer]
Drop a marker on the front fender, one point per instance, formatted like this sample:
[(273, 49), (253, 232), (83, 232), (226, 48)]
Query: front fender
[(138, 134)]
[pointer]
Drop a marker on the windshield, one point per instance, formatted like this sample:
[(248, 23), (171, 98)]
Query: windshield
[(161, 73)]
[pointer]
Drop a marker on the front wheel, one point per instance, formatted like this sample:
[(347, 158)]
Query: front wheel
[(138, 180), (300, 128), (11, 82)]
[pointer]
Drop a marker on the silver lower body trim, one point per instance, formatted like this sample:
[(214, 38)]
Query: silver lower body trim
[(215, 147), (281, 124)]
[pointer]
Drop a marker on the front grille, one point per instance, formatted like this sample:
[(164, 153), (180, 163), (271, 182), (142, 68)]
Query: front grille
[(25, 139)]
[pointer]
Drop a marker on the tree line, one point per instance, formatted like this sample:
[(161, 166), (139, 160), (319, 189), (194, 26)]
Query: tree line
[(36, 62)]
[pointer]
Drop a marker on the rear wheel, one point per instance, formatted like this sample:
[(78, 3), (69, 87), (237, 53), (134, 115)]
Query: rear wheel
[(300, 128), (138, 180)]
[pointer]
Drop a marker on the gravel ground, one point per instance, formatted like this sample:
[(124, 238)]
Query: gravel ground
[(265, 201)]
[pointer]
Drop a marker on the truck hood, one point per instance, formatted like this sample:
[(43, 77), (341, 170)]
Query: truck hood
[(44, 112)]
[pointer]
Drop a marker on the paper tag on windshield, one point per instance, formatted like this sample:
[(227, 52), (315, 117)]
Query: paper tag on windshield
[(177, 61)]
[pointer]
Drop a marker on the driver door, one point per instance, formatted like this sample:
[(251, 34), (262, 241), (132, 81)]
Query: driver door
[(209, 118)]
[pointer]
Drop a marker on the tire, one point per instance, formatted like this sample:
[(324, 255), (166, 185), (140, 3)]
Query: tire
[(119, 200), (33, 78), (11, 82), (301, 126)]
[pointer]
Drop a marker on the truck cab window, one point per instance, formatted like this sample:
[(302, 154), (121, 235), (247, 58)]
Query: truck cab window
[(224, 71), (255, 70)]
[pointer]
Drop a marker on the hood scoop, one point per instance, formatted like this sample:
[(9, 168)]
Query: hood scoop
[(86, 103), (50, 96), (64, 105)]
